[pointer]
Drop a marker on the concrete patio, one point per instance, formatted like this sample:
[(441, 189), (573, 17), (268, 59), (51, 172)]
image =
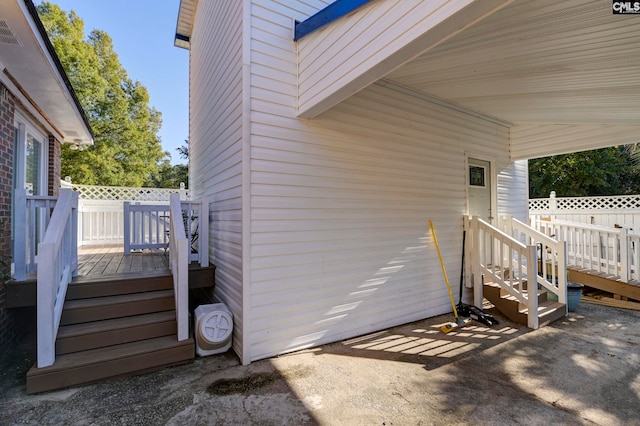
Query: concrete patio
[(584, 369)]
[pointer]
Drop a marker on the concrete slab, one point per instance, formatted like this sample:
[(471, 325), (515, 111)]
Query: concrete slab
[(584, 369)]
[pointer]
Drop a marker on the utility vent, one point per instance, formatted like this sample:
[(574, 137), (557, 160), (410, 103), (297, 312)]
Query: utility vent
[(7, 35)]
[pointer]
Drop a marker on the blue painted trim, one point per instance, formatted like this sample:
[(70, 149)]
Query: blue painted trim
[(335, 10), (182, 38)]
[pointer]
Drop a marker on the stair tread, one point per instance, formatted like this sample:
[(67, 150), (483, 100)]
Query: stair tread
[(92, 279), (549, 306), (114, 300), (110, 353), (74, 330)]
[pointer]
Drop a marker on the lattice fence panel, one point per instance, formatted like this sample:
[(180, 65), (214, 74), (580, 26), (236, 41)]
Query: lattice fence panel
[(121, 193), (539, 204), (616, 203)]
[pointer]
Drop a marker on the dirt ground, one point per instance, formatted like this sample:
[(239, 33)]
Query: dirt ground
[(584, 369)]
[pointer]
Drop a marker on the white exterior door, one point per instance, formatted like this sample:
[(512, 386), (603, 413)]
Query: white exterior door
[(479, 181)]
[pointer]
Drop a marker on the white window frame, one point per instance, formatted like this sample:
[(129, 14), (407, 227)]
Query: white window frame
[(25, 127)]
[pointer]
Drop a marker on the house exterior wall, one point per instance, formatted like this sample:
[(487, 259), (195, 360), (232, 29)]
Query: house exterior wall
[(7, 108), (215, 142), (513, 190), (334, 210), (340, 204)]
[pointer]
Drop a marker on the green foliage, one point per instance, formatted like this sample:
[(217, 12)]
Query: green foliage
[(607, 171), (127, 149), (169, 176)]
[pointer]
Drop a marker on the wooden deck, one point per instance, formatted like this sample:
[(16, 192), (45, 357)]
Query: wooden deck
[(98, 261)]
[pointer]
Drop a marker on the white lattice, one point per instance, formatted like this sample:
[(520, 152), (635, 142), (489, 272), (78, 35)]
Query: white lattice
[(538, 204), (616, 203), (122, 193)]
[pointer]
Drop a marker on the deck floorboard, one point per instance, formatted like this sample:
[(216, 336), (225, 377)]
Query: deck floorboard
[(98, 261)]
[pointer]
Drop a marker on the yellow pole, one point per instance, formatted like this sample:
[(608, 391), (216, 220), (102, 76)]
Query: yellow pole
[(444, 272)]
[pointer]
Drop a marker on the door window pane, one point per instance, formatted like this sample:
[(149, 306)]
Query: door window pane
[(34, 165)]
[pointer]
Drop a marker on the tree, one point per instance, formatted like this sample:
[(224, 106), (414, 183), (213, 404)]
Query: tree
[(127, 149), (169, 176), (607, 171), (183, 150)]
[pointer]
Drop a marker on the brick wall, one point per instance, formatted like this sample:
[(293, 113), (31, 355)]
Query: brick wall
[(55, 166), (7, 108)]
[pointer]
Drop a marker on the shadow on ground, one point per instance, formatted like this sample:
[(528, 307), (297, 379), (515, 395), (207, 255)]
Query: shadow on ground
[(210, 391), (584, 369)]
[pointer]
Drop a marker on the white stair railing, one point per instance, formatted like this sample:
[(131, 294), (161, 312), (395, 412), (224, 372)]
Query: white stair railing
[(195, 216), (500, 258), (179, 264), (552, 255), (57, 264)]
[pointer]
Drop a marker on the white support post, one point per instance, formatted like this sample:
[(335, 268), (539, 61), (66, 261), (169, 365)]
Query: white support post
[(20, 235), (203, 237), (624, 254), (562, 274), (127, 228), (478, 295), (46, 290), (74, 234), (179, 260), (553, 204), (532, 287), (182, 289)]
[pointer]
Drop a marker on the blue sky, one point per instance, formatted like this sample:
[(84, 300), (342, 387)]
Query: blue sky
[(143, 33)]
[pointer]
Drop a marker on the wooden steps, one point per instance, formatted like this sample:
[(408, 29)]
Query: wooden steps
[(113, 327), (548, 311), (96, 334), (113, 361)]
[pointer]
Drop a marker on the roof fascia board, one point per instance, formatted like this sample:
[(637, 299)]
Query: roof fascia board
[(334, 11), (49, 52)]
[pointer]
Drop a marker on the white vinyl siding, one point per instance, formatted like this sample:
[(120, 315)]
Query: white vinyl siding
[(340, 204), (384, 34), (215, 149), (513, 190)]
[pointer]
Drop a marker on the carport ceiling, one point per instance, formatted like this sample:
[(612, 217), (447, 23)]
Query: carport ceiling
[(541, 61)]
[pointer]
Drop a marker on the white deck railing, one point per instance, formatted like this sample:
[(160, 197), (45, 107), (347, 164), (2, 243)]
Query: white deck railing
[(56, 258), (57, 264), (611, 251), (32, 213), (146, 226), (179, 264), (101, 211), (502, 259)]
